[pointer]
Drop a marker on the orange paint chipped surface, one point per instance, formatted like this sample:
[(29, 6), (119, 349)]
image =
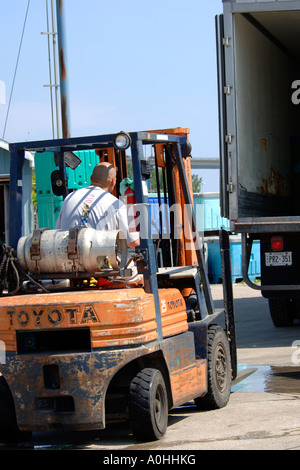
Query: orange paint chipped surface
[(115, 317), (173, 312), (189, 382)]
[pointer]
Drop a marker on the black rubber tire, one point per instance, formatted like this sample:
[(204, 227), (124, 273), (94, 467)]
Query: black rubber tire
[(148, 405), (9, 431), (281, 311), (218, 371)]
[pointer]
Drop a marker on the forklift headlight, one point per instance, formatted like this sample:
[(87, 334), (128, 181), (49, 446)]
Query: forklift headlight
[(122, 141)]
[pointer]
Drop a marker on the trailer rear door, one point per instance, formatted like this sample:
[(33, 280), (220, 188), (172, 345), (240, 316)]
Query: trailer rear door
[(222, 116)]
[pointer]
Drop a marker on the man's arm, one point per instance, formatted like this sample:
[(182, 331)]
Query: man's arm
[(134, 243)]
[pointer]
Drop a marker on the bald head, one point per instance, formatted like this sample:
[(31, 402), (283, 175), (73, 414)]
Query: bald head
[(104, 175)]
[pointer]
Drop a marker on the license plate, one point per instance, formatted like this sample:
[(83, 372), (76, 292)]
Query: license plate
[(279, 259)]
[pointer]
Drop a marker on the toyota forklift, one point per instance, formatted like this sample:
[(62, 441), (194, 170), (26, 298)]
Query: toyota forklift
[(81, 352)]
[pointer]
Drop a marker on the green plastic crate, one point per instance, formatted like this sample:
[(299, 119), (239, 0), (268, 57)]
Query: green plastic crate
[(48, 204)]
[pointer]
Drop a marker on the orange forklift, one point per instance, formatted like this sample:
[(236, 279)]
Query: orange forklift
[(78, 356)]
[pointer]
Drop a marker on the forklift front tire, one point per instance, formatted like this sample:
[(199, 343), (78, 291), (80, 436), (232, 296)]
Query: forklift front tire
[(148, 405), (218, 371)]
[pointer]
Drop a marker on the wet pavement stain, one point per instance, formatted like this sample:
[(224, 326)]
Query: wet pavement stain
[(270, 379)]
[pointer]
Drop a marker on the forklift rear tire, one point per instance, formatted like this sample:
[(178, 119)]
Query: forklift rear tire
[(148, 405), (218, 371), (9, 431), (281, 311)]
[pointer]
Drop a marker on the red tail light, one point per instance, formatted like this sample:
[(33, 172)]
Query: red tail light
[(277, 243)]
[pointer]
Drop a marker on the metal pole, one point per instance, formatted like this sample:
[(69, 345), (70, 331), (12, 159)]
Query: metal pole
[(55, 70), (64, 90), (17, 158), (50, 72)]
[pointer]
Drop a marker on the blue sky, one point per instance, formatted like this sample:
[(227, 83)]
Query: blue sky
[(131, 66)]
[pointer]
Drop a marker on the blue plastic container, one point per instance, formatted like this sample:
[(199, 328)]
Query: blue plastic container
[(212, 219), (214, 260)]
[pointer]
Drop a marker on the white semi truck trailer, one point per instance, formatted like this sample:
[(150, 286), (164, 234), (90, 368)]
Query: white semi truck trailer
[(258, 52)]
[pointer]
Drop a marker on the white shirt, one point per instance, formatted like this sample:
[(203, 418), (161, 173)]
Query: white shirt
[(93, 207)]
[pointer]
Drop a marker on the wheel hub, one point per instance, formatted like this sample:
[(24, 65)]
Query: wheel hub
[(221, 368)]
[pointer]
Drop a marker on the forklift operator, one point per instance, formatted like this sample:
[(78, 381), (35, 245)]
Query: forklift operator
[(96, 207)]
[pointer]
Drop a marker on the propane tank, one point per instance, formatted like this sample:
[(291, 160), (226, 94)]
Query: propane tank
[(78, 250)]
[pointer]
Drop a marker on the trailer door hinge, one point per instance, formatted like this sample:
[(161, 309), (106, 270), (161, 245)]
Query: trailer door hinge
[(230, 187), (227, 89), (226, 41), (228, 138)]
